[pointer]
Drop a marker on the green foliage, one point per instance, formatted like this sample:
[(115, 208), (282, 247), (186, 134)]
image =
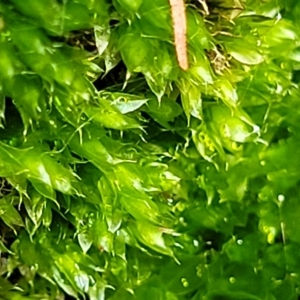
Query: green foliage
[(124, 177)]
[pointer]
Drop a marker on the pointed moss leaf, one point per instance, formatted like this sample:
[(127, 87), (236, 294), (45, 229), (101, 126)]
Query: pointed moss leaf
[(87, 186), (38, 174), (127, 103), (282, 33), (157, 13), (140, 207), (135, 50), (120, 247), (227, 92), (67, 109), (239, 250), (85, 241), (208, 141), (231, 128), (7, 65), (131, 6), (78, 12), (19, 182), (28, 96), (191, 99), (197, 33), (32, 40), (102, 238), (51, 18), (102, 35), (110, 117), (114, 220), (211, 217), (30, 253), (9, 214), (9, 162), (163, 112), (248, 57), (156, 82), (165, 62), (47, 215), (107, 190), (184, 278), (151, 236), (3, 249), (97, 291), (148, 30), (82, 281), (201, 70), (111, 55), (61, 178), (63, 284), (244, 53), (93, 150), (67, 266), (35, 207)]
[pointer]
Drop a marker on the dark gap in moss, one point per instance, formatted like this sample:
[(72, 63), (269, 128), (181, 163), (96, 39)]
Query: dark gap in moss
[(113, 80), (251, 226), (13, 125), (7, 236), (15, 277), (213, 240), (282, 134), (296, 76), (5, 187), (83, 39), (113, 23)]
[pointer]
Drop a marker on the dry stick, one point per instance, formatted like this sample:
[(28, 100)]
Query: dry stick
[(179, 29)]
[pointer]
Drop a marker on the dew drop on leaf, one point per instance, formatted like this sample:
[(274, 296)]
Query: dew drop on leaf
[(184, 282)]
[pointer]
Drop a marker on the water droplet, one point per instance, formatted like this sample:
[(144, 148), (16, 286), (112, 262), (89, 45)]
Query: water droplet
[(196, 243), (199, 271), (281, 198), (232, 280), (279, 89), (263, 163), (184, 282), (170, 200), (239, 242)]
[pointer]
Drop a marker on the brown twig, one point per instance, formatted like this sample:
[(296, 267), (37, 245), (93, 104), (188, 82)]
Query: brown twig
[(179, 29)]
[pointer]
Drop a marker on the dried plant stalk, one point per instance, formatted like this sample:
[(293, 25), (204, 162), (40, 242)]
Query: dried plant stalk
[(179, 29), (204, 5)]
